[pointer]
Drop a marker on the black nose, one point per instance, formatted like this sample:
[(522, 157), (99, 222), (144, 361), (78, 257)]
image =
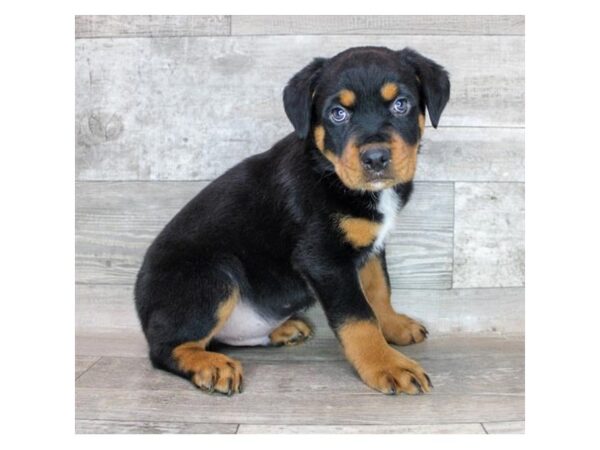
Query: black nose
[(376, 159)]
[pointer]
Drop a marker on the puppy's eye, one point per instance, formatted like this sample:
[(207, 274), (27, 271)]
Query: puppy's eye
[(339, 115), (400, 106)]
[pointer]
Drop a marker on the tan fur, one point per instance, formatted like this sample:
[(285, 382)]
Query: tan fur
[(347, 167), (211, 371), (388, 91), (380, 366), (347, 98), (358, 231), (397, 328), (421, 125), (319, 133), (404, 158), (291, 332)]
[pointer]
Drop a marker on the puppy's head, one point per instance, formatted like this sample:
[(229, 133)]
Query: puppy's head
[(364, 111)]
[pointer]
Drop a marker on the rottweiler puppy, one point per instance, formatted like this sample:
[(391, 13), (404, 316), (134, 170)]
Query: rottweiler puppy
[(302, 222)]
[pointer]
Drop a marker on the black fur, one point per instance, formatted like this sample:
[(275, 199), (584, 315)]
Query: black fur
[(266, 226)]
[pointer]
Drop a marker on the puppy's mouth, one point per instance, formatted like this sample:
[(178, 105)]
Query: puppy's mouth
[(379, 180)]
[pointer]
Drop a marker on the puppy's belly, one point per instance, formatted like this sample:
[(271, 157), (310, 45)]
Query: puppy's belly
[(246, 326)]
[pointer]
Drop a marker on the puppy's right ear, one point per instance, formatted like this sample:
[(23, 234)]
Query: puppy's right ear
[(297, 96)]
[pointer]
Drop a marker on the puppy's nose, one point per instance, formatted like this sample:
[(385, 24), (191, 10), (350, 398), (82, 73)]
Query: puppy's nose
[(376, 159)]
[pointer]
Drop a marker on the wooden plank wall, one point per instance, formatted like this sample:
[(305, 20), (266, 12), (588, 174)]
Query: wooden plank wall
[(164, 104)]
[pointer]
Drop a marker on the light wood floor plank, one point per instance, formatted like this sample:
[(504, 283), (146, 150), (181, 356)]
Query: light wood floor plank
[(150, 26), (476, 380), (489, 235), (84, 426), (460, 428), (517, 427), (331, 405), (83, 363), (367, 24)]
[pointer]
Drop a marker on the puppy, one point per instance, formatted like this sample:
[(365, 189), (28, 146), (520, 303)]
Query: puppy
[(302, 222)]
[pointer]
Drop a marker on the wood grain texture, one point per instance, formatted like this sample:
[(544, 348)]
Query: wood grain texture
[(489, 235), (123, 343), (188, 108), (150, 26), (367, 24), (476, 380), (84, 426), (419, 248), (449, 428), (447, 154), (517, 427), (319, 403), (83, 363), (116, 221), (472, 154)]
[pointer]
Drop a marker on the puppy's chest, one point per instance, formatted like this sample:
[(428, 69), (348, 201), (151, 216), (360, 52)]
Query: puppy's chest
[(363, 233)]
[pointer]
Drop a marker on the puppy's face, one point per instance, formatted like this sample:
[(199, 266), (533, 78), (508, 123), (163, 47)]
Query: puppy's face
[(364, 111)]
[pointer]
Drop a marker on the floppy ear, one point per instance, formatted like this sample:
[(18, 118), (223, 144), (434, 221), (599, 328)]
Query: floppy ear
[(435, 84), (297, 96)]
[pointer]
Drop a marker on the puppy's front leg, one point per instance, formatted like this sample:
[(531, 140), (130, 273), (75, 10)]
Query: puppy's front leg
[(353, 321)]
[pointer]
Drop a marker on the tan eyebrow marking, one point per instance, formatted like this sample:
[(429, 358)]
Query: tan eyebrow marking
[(389, 91), (347, 97)]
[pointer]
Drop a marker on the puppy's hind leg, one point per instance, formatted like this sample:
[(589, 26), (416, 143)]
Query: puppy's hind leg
[(179, 332), (293, 331)]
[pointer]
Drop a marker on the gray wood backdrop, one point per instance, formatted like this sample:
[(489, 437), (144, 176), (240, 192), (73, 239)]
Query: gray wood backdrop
[(164, 104)]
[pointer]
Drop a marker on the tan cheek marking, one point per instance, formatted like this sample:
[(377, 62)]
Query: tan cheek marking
[(422, 124), (347, 167), (347, 98), (389, 91), (358, 231), (319, 133), (404, 159)]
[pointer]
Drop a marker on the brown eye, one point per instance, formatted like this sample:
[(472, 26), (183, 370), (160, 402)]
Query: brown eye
[(339, 115), (400, 106)]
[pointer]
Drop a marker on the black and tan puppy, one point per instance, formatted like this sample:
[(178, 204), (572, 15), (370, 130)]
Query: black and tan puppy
[(301, 222)]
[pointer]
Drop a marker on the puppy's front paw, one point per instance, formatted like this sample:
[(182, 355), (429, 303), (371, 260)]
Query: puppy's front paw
[(394, 374), (402, 330), (379, 365)]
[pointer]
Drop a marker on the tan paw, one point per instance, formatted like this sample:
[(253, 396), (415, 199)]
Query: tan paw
[(291, 332), (395, 373), (217, 372), (402, 330)]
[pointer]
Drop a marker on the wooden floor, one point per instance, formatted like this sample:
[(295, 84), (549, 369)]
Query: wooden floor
[(478, 379)]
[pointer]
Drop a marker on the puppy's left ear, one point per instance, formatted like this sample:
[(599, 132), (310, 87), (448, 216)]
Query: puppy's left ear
[(297, 96), (435, 84)]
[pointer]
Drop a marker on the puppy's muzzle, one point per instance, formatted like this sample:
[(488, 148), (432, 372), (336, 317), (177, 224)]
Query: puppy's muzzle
[(375, 160)]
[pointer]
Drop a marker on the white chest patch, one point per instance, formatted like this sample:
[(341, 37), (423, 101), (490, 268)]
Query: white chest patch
[(246, 326), (388, 206)]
